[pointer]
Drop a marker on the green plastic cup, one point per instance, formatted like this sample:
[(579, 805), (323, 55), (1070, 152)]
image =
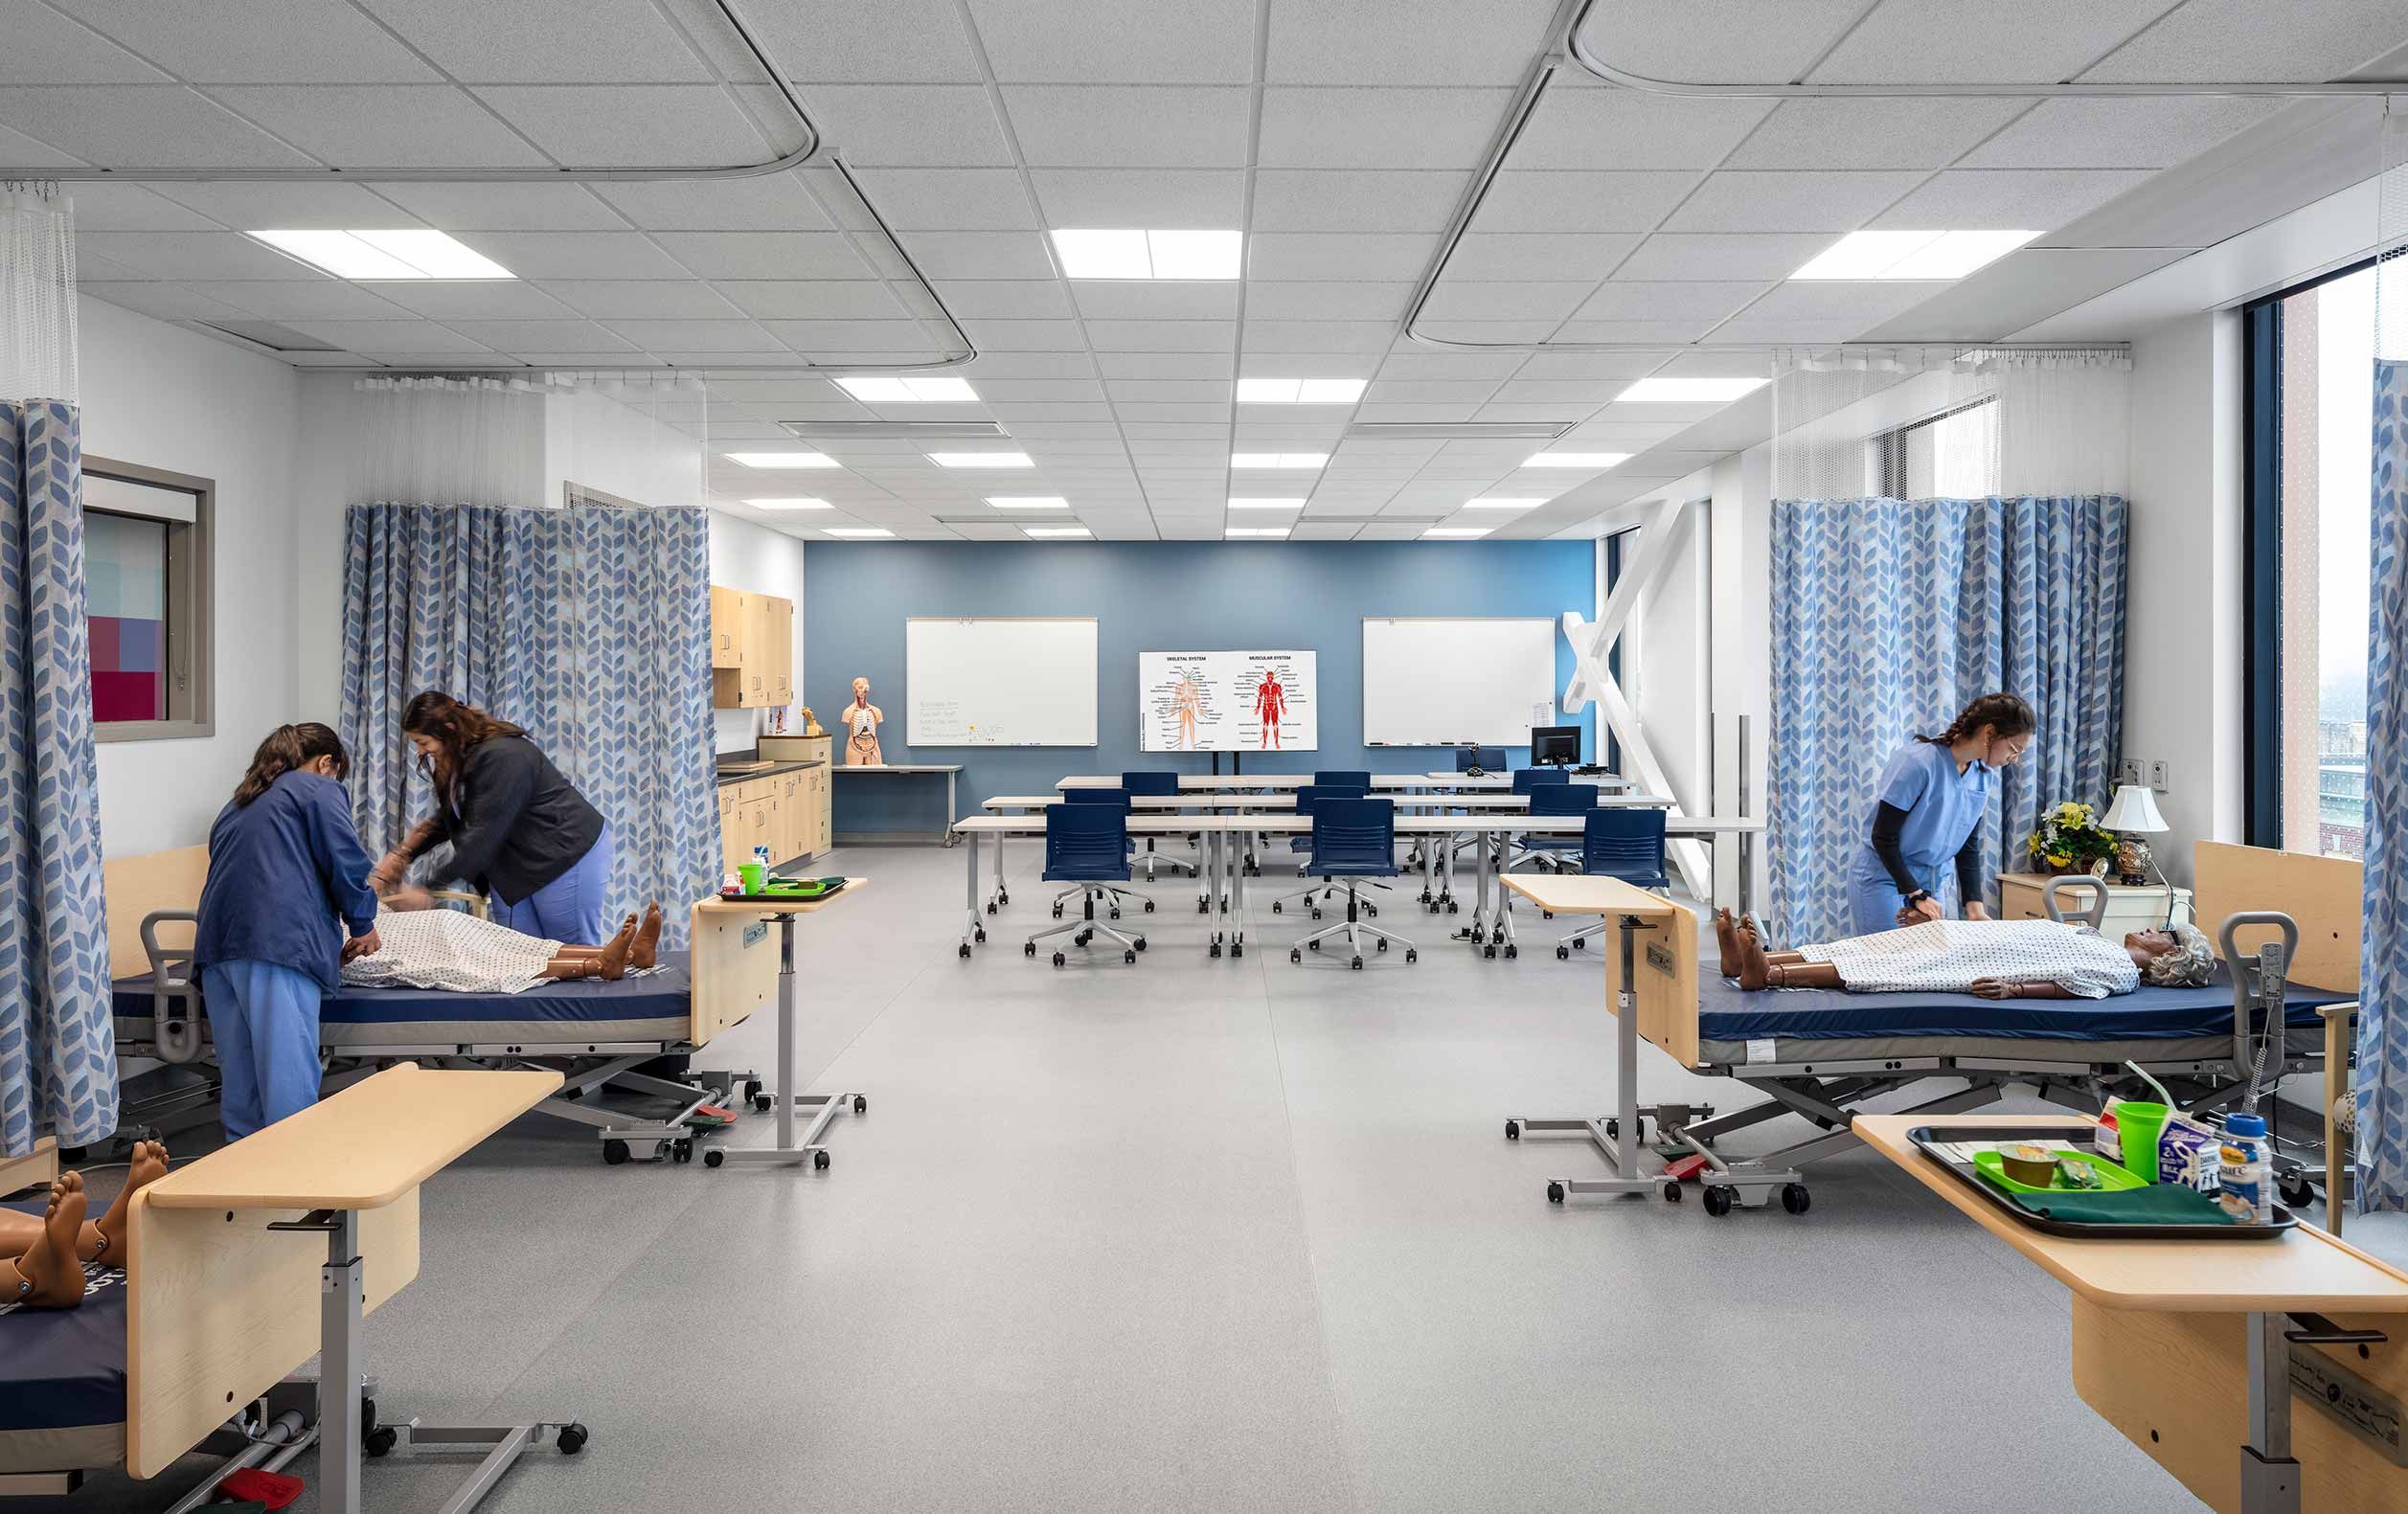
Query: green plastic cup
[(2138, 1127), (753, 875)]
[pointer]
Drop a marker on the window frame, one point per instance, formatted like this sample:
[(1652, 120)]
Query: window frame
[(189, 638), (2261, 555)]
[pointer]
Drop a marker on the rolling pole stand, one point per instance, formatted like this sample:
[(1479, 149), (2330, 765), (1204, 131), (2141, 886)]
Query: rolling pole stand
[(1618, 1138), (347, 1429), (824, 1108)]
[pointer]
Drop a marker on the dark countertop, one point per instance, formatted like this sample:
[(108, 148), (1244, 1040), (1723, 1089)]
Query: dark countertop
[(773, 770)]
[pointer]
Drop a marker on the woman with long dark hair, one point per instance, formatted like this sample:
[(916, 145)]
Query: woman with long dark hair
[(519, 831), (287, 883), (1928, 810)]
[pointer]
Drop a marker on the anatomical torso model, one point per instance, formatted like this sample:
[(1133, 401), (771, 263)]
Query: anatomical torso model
[(862, 720)]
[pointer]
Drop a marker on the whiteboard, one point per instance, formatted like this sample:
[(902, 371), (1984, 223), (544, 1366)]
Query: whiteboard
[(1451, 682), (1226, 695), (1016, 683)]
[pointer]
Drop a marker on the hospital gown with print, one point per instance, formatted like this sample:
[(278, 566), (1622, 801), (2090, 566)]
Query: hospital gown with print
[(452, 952), (1947, 956)]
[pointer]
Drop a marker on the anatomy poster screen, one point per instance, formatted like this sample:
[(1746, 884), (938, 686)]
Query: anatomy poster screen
[(1228, 702)]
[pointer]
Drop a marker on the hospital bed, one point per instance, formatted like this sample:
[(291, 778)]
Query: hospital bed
[(597, 1035), (243, 1265), (1825, 1054)]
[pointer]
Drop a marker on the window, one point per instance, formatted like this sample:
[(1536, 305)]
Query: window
[(146, 560), (2309, 430), (1952, 455)]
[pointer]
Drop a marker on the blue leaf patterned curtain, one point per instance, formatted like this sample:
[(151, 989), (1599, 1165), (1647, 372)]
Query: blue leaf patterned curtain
[(57, 1044), (1888, 616), (589, 626), (2382, 1087)]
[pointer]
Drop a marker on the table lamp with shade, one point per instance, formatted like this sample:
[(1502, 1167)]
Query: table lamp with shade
[(2133, 816)]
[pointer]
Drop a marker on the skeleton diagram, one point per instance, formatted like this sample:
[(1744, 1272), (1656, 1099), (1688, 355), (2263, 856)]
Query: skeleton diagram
[(1187, 701), (1270, 702)]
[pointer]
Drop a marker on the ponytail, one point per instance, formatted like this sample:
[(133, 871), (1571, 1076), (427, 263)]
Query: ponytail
[(2006, 715), (288, 749)]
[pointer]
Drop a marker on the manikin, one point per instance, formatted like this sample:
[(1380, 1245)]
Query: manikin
[(862, 720)]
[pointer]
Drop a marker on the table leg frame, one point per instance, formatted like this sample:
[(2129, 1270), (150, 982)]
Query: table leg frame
[(825, 1107), (1621, 1147)]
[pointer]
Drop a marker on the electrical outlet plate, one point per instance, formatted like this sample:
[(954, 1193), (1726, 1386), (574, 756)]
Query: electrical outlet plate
[(2128, 772), (2157, 778)]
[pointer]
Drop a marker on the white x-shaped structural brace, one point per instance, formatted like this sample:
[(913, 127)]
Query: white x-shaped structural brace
[(1660, 533)]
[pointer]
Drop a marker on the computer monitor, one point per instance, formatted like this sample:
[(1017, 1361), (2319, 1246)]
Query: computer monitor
[(1555, 746)]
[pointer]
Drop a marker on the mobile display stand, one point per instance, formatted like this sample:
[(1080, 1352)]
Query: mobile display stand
[(824, 1108)]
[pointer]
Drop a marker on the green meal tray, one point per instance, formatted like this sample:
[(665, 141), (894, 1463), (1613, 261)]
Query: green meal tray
[(2113, 1176)]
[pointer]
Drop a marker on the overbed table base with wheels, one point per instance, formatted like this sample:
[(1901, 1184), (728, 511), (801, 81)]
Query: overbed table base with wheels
[(823, 1108)]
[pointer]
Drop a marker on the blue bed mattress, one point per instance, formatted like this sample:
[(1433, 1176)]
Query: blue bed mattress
[(1728, 1015), (62, 1378), (652, 1008)]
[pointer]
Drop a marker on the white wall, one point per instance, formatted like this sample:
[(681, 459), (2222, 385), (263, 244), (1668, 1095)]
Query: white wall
[(756, 561), (168, 399), (2182, 650)]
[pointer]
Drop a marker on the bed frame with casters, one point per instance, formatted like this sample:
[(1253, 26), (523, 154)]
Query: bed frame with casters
[(729, 971), (2287, 924), (249, 1262)]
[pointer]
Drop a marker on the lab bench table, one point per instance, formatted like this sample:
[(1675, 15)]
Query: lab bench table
[(1240, 782), (952, 772)]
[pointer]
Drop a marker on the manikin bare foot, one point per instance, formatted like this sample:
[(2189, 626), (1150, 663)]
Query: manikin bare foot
[(615, 954), (647, 951), (1754, 973), (1727, 936), (148, 1165), (50, 1263)]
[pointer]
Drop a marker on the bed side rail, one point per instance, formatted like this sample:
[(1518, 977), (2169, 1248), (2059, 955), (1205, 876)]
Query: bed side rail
[(2093, 915), (174, 995), (2260, 983)]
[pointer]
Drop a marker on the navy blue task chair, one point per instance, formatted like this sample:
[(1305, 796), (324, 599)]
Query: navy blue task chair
[(1555, 799), (1354, 844), (1114, 799), (1343, 778), (1527, 778), (1086, 845), (1487, 759), (1136, 783), (1308, 799), (1625, 844)]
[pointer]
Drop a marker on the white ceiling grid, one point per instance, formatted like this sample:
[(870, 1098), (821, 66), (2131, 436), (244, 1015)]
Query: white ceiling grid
[(1339, 135)]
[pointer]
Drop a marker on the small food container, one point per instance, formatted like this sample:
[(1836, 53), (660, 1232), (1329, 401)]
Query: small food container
[(2029, 1162)]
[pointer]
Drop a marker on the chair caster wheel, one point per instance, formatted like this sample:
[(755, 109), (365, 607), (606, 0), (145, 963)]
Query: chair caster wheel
[(1795, 1198), (1672, 1190), (1128, 956), (1029, 949), (1452, 908), (1213, 950), (682, 1150), (1488, 952), (1316, 914), (990, 906), (1382, 944), (761, 1105), (819, 1162), (1555, 1193), (571, 1439), (1563, 953), (1613, 1129), (753, 1087), (1275, 907), (1083, 938), (1205, 907), (966, 951), (1312, 946), (979, 936), (1139, 943), (1057, 912), (1512, 952), (1295, 956), (1717, 1202), (1356, 964), (714, 1157), (1059, 960), (1115, 914), (1002, 897), (861, 1103), (1512, 1130), (1150, 906), (380, 1442), (1580, 946), (1412, 956), (614, 1153), (1236, 949)]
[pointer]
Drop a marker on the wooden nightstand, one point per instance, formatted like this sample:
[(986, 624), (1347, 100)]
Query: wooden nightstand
[(2130, 909)]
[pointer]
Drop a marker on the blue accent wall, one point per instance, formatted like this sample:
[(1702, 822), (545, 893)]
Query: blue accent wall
[(1153, 597)]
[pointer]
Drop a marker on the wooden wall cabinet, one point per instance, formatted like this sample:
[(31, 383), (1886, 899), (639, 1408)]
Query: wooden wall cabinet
[(752, 649)]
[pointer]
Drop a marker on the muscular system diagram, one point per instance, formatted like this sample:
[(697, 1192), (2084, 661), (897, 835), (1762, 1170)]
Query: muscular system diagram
[(1269, 703)]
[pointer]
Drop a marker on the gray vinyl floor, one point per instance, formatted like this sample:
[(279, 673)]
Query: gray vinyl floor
[(1219, 1235)]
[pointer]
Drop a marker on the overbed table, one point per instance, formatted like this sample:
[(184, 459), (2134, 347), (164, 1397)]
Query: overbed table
[(2195, 1348), (825, 1107)]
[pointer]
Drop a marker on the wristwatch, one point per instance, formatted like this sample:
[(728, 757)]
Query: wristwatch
[(1918, 897)]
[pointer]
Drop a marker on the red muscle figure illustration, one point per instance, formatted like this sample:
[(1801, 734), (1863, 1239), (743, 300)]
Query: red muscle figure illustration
[(1270, 701)]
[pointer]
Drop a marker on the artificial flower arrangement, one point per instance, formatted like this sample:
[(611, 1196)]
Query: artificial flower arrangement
[(2070, 840)]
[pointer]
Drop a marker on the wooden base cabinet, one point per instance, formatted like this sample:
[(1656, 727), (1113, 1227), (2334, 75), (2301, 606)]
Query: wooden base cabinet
[(785, 812)]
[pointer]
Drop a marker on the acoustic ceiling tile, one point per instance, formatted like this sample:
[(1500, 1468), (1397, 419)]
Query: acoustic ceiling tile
[(1162, 336), (592, 125), (1728, 256), (1540, 256), (1140, 413), (2209, 40), (255, 41), (1162, 364), (668, 300), (287, 206), (505, 207), (383, 125), (697, 336), (772, 202), (1165, 197), (1318, 336), (1843, 300), (384, 337), (1172, 390), (1094, 42), (131, 208), (536, 336), (316, 298), (191, 255), (1490, 332), (1109, 299), (447, 300), (141, 124), (1579, 125), (46, 48), (1407, 41), (1330, 301), (1971, 41), (168, 301), (1562, 201), (996, 390), (1355, 200), (980, 255), (1099, 125), (1324, 256), (909, 125), (1527, 300), (2119, 133), (894, 41), (1004, 299), (1669, 299), (1025, 336), (763, 255), (835, 340), (950, 199), (1717, 41), (1580, 366), (1872, 133), (542, 41), (1027, 365), (2021, 199), (1746, 200), (1462, 366), (1379, 128)]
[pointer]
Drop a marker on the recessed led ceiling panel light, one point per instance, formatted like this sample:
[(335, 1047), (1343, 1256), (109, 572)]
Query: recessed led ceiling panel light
[(1928, 255), (980, 460), (857, 533), (1689, 391), (1279, 459), (1027, 502), (1266, 503), (1066, 532), (1454, 533), (1266, 532), (1503, 503), (410, 253), (881, 390), (783, 460), (1298, 391), (799, 502), (1098, 253), (1575, 459)]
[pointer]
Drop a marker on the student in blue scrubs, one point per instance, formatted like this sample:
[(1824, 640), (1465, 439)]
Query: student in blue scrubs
[(1928, 810), (519, 831), (287, 884)]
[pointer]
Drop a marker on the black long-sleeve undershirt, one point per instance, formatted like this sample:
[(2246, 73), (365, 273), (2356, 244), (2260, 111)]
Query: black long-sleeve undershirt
[(1888, 823)]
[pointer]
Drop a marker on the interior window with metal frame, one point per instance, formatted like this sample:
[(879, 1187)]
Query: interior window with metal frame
[(2307, 432), (1945, 456), (146, 574)]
